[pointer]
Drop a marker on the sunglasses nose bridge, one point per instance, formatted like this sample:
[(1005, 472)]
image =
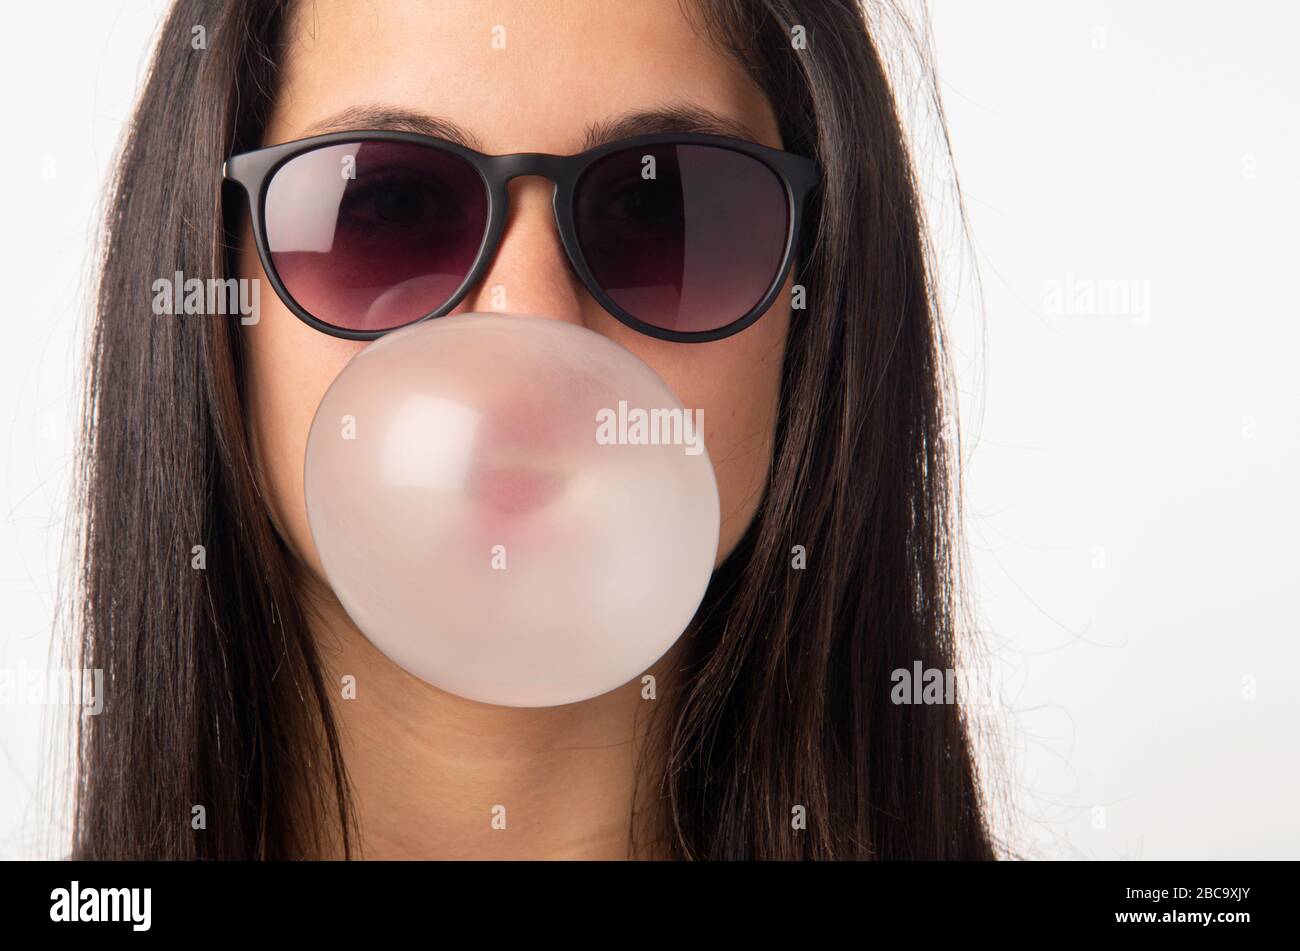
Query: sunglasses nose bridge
[(558, 169), (526, 164), (503, 169)]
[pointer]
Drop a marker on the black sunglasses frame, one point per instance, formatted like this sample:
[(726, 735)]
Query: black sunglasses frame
[(253, 171)]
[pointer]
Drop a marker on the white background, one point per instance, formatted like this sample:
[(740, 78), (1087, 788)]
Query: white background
[(1131, 466)]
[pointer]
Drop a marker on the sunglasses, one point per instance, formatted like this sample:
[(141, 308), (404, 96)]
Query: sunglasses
[(683, 237)]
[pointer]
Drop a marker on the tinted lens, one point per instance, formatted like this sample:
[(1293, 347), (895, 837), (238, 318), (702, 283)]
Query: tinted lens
[(374, 235), (683, 237)]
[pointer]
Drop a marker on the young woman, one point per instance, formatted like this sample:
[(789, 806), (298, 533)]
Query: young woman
[(225, 733)]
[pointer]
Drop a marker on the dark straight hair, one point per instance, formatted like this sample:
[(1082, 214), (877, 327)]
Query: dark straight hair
[(215, 700)]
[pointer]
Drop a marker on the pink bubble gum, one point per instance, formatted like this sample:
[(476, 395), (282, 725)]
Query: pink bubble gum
[(479, 533)]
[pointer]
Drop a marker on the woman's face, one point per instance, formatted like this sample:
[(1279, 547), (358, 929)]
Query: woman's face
[(536, 76)]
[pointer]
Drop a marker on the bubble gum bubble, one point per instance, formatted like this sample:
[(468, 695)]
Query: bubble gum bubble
[(514, 509)]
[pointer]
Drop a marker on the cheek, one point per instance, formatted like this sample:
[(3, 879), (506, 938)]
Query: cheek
[(737, 382), (289, 367), (740, 401)]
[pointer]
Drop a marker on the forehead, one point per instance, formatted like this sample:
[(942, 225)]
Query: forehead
[(519, 75)]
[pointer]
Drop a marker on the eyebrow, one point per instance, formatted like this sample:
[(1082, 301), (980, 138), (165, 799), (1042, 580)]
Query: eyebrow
[(683, 118), (686, 119), (392, 119)]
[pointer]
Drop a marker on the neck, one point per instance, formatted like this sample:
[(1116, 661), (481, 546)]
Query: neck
[(436, 776)]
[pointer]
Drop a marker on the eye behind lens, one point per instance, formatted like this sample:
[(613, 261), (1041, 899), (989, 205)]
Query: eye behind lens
[(368, 236), (688, 238)]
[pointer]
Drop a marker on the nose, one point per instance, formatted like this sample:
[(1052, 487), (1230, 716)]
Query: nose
[(530, 273)]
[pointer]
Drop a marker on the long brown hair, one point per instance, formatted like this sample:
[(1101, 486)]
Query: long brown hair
[(214, 693)]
